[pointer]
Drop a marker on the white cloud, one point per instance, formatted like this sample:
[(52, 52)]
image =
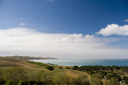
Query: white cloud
[(114, 29), (126, 20), (22, 24), (89, 36), (25, 41), (50, 0)]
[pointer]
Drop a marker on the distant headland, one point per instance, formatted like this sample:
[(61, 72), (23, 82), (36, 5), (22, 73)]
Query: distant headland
[(30, 58)]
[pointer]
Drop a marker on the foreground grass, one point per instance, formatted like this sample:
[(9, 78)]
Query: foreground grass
[(25, 72)]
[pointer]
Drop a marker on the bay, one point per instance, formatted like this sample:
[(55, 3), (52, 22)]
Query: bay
[(82, 62)]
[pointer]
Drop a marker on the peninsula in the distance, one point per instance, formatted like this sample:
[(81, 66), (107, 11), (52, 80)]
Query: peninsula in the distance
[(29, 57)]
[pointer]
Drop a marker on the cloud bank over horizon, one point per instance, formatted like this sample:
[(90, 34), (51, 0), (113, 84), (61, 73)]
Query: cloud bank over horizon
[(27, 41)]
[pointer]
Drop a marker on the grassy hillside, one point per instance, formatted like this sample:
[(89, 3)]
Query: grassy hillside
[(25, 72)]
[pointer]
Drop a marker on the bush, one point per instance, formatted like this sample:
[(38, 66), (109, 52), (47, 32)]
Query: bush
[(2, 81), (125, 79), (67, 68), (50, 68), (90, 72), (113, 75), (23, 83), (60, 67), (98, 75), (75, 67)]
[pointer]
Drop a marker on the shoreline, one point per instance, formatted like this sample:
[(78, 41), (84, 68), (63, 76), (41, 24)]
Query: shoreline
[(80, 62)]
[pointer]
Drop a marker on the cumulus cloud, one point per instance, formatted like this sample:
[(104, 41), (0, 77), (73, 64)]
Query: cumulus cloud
[(89, 36), (114, 29), (26, 41), (22, 24)]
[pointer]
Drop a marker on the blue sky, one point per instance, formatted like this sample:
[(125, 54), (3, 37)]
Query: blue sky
[(63, 16), (68, 22)]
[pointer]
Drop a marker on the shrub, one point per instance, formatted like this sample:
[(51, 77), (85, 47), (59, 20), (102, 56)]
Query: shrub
[(2, 81), (50, 68), (90, 72), (23, 83), (67, 68), (75, 67), (113, 75), (60, 67), (98, 75), (125, 79)]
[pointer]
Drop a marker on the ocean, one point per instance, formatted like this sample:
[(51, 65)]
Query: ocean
[(82, 62)]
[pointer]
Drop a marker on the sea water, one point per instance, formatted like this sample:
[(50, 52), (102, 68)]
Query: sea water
[(82, 62)]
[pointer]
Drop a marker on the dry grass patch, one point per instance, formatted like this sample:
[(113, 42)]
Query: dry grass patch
[(4, 63)]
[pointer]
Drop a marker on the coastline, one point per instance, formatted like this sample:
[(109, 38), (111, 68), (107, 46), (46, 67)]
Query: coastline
[(80, 62)]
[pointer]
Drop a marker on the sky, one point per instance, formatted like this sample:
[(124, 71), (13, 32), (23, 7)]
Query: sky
[(65, 29)]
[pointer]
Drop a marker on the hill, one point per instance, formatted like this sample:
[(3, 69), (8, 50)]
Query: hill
[(25, 72), (15, 71)]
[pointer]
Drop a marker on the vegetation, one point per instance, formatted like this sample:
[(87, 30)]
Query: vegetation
[(25, 72), (67, 67), (39, 64), (50, 68), (60, 67), (75, 67)]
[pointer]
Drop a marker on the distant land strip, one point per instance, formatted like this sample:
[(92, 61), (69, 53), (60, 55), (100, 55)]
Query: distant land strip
[(28, 57)]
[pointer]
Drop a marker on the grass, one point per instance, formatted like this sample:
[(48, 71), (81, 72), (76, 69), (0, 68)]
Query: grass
[(38, 64), (9, 62), (37, 71)]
